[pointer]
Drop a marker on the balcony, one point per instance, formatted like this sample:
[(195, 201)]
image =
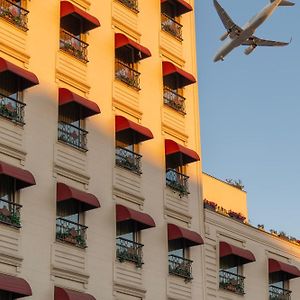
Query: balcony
[(72, 135), (174, 100), (276, 293), (127, 75), (14, 14), (10, 213), (71, 232), (129, 251), (231, 282), (177, 182), (172, 27), (72, 45), (181, 267), (12, 109), (128, 160), (131, 4)]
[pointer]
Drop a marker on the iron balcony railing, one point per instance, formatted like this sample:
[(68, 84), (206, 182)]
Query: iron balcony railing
[(10, 213), (276, 293), (14, 14), (128, 250), (12, 109), (169, 25), (72, 135), (73, 45), (127, 74), (231, 282), (132, 4), (174, 100), (177, 181), (180, 266), (71, 232), (128, 160)]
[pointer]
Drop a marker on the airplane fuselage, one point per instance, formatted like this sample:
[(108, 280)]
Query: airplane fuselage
[(248, 30)]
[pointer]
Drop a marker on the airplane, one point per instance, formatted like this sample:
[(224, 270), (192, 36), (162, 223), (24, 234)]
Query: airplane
[(244, 36)]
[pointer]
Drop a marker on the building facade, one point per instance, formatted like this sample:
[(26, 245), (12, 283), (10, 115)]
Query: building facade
[(99, 151)]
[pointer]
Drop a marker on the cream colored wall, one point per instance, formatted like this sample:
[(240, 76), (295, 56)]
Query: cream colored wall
[(261, 244), (33, 252), (224, 194)]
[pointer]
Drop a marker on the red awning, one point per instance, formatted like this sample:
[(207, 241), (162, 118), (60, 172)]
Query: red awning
[(66, 294), (23, 178), (130, 132), (69, 194), (182, 78), (188, 237), (15, 285), (289, 271), (69, 12), (121, 40), (245, 256), (178, 155), (26, 78), (142, 220), (182, 6), (69, 100)]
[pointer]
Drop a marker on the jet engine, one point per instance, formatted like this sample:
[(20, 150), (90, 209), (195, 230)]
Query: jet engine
[(224, 36), (250, 49)]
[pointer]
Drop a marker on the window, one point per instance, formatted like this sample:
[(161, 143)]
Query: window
[(128, 246), (14, 12), (177, 180), (127, 55), (170, 21), (129, 224), (127, 156), (71, 129), (173, 97), (74, 24), (68, 224), (179, 264), (279, 287), (9, 209), (126, 68), (6, 296), (230, 275), (131, 4), (11, 99), (128, 137)]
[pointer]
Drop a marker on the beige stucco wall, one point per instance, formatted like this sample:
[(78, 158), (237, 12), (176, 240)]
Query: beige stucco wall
[(32, 252), (263, 245), (224, 194)]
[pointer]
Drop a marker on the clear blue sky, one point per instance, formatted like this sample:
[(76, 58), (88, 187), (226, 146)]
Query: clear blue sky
[(250, 111)]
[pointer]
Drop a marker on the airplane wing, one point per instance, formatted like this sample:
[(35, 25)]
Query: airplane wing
[(261, 42), (233, 29)]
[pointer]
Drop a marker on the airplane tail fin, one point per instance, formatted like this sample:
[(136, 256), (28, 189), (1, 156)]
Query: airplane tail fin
[(285, 3)]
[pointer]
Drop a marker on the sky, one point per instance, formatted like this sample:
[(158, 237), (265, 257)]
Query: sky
[(250, 111)]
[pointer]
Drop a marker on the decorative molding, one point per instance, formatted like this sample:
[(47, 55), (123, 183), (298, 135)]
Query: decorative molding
[(177, 134), (186, 218), (74, 175), (129, 289), (127, 109), (68, 274), (134, 198)]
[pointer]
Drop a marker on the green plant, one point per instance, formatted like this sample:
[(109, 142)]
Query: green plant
[(236, 183)]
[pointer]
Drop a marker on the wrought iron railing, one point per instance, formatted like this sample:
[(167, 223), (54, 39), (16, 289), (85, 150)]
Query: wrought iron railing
[(72, 135), (180, 266), (231, 282), (10, 213), (129, 160), (177, 181), (71, 232), (169, 25), (14, 14), (12, 109), (132, 4), (73, 45), (174, 100), (127, 74), (276, 293), (129, 251)]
